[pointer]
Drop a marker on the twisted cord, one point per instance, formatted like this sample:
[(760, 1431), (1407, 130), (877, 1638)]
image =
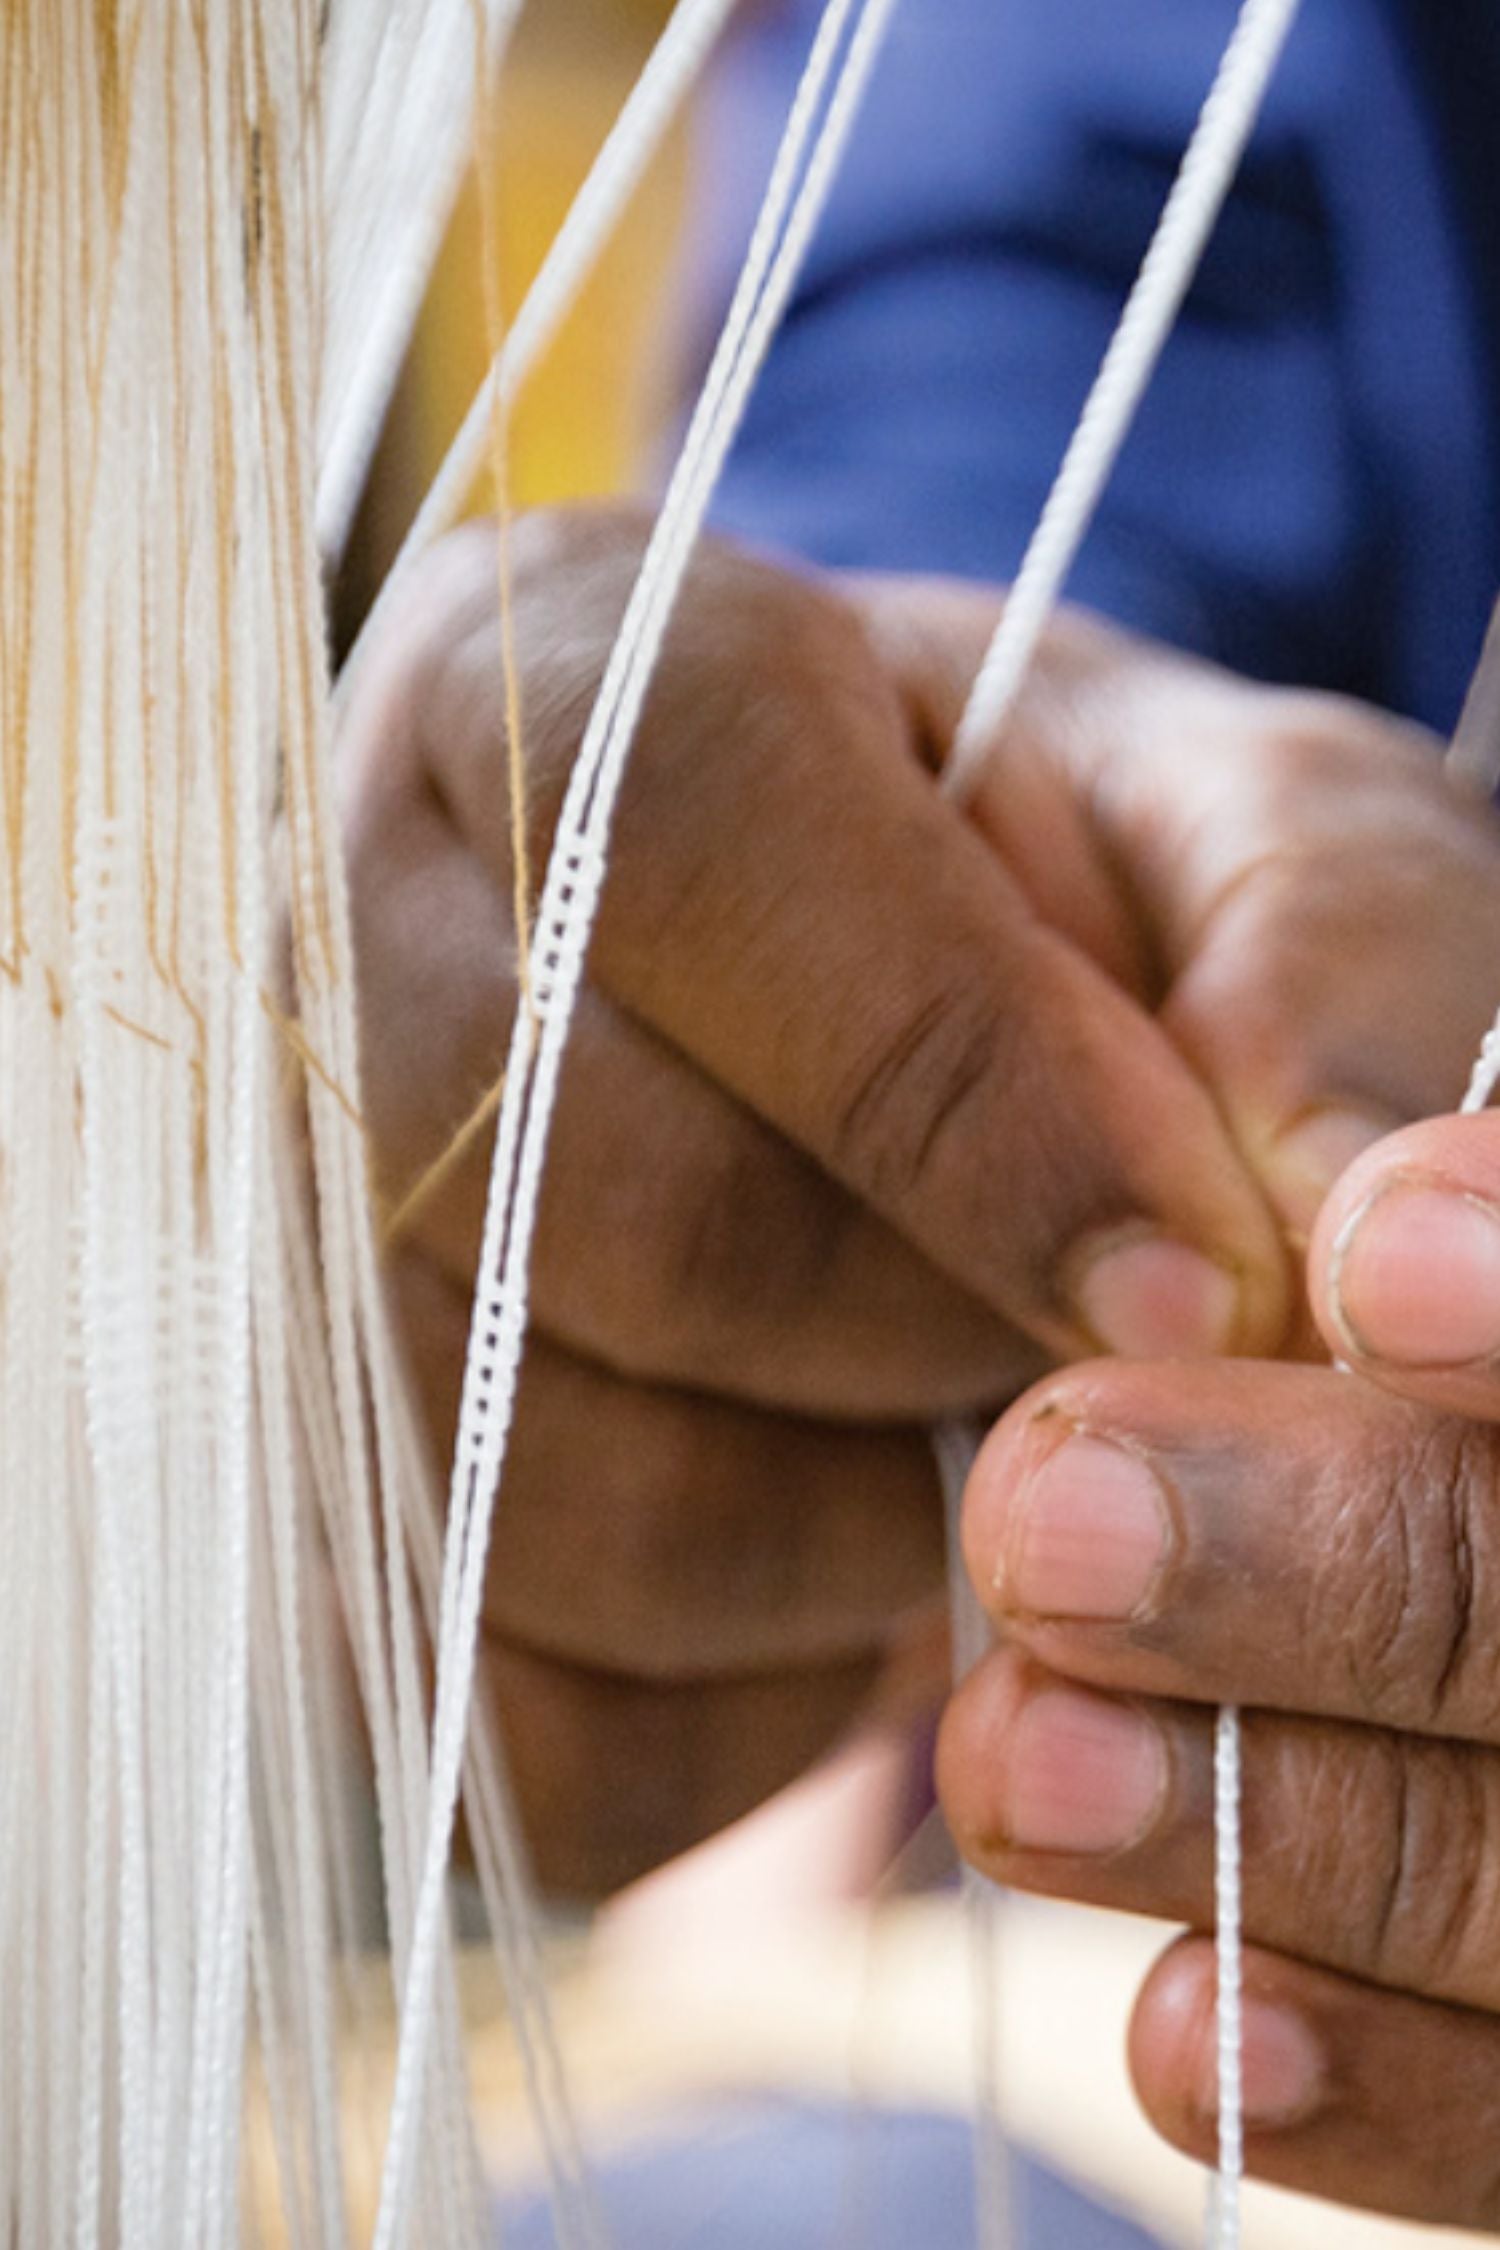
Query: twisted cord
[(794, 199), (1172, 258), (1197, 196)]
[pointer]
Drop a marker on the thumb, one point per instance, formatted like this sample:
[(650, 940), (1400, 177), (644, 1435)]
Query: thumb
[(1286, 877), (1405, 1264)]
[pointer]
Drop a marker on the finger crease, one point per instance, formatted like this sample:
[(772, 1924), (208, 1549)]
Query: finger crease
[(1461, 1559), (1397, 1881)]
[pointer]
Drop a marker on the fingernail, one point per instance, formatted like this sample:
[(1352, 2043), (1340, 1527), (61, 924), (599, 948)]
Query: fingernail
[(1080, 1774), (1305, 1162), (1416, 1277), (1283, 2069), (1148, 1297), (1091, 1534)]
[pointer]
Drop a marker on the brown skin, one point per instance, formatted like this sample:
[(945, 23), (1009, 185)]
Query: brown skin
[(859, 1085), (1333, 1564)]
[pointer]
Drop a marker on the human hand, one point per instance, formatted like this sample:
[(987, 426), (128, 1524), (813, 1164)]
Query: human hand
[(1153, 1541), (869, 1109)]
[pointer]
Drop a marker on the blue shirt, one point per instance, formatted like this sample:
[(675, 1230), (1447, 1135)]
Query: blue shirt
[(1312, 492)]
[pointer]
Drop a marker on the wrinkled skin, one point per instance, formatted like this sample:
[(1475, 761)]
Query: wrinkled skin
[(874, 1111), (1329, 1557)]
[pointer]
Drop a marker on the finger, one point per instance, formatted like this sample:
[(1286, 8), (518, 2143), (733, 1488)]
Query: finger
[(931, 635), (795, 908), (1324, 911), (612, 1775), (1333, 976), (667, 1536), (1405, 1269), (721, 1258), (1262, 1535), (1369, 2098), (1370, 1852), (680, 1238)]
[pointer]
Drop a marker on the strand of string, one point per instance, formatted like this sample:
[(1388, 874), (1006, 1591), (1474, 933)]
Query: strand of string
[(567, 892), (576, 2216), (1172, 258), (955, 1444), (186, 1363), (1197, 196), (1485, 1075), (1473, 760), (792, 203), (488, 169), (494, 428), (1224, 2186), (632, 142), (392, 178), (1473, 765), (446, 1162)]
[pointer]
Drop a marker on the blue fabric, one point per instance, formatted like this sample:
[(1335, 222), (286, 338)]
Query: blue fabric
[(779, 2176), (1313, 490)]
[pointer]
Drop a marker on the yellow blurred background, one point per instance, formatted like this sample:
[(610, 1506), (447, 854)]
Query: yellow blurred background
[(587, 421)]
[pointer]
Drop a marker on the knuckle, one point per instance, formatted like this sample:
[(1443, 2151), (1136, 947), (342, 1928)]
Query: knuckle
[(764, 685), (746, 1246), (633, 1513), (1421, 1564), (1479, 2160), (1326, 742), (1299, 760), (917, 1087), (1310, 757), (571, 573), (698, 1516), (1431, 1910)]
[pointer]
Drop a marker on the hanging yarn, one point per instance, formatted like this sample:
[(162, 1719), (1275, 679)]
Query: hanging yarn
[(216, 225), (203, 1421)]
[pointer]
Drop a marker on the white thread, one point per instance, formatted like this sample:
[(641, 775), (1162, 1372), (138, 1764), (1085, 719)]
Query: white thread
[(1473, 757), (1485, 1075), (954, 1445), (188, 1371), (633, 140), (396, 159), (1473, 763), (1172, 258), (1225, 124), (1224, 2226), (536, 1052)]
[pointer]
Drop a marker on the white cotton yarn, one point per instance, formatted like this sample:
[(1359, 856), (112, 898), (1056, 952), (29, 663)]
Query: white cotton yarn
[(656, 98), (1172, 258), (1176, 249), (954, 1446), (203, 1419)]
